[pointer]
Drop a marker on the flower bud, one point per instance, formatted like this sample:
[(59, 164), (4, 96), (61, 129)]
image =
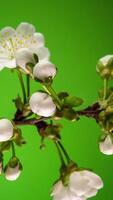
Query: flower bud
[(104, 66), (6, 130), (106, 146), (44, 70), (42, 104), (13, 169)]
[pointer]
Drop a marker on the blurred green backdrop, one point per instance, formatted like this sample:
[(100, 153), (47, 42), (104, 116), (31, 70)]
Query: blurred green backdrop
[(77, 33)]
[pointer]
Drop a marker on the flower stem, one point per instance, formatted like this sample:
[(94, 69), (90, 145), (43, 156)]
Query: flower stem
[(60, 154), (52, 93), (64, 151), (28, 85), (22, 86), (13, 150), (105, 89)]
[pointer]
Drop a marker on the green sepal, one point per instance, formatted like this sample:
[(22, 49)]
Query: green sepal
[(26, 110), (18, 138), (13, 162), (66, 171), (5, 146), (102, 137), (53, 131)]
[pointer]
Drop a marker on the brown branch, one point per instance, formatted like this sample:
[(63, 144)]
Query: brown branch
[(91, 111), (31, 121)]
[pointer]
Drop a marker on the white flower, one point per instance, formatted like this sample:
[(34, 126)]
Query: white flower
[(82, 185), (12, 173), (106, 146), (6, 130), (44, 70), (18, 46), (42, 104)]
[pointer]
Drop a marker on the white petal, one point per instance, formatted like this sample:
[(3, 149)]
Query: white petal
[(24, 56), (39, 39), (6, 33), (44, 70), (60, 192), (6, 130), (42, 104), (106, 146), (92, 192), (95, 180), (42, 53), (25, 28), (105, 59), (78, 183), (12, 174), (5, 62), (73, 196), (57, 188)]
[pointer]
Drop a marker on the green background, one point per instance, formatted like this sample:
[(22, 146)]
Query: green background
[(77, 33)]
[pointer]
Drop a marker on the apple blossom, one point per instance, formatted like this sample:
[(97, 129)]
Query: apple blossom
[(6, 130), (44, 70), (42, 104), (17, 47), (106, 146), (81, 185)]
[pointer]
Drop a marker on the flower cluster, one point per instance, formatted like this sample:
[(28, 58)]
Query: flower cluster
[(23, 50)]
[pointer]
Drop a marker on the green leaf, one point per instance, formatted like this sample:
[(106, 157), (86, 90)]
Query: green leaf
[(13, 162), (26, 110), (72, 101)]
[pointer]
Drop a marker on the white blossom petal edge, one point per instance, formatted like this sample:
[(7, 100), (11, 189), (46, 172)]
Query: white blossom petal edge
[(42, 104), (82, 185), (106, 146), (6, 130)]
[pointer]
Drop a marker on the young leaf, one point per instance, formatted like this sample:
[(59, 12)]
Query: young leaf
[(72, 101)]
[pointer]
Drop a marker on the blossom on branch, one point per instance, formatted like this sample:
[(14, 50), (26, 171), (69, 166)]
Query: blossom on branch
[(18, 47), (42, 104)]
